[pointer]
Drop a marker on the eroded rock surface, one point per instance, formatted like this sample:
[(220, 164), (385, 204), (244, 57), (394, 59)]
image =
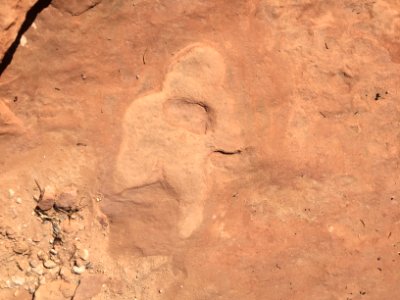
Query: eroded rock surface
[(10, 124), (12, 15), (169, 136), (216, 150), (75, 7)]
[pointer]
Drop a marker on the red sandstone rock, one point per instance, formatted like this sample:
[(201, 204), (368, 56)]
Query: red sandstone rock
[(68, 200), (242, 149), (48, 200), (10, 124), (75, 7), (12, 14)]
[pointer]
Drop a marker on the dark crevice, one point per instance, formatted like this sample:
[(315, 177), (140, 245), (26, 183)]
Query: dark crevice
[(199, 103), (203, 105), (227, 152), (29, 19)]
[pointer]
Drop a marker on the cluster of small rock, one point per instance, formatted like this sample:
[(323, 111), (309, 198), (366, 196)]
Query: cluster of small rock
[(67, 200), (58, 258)]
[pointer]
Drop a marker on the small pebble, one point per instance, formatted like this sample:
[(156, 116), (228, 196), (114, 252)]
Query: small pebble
[(11, 193), (23, 41), (38, 270), (18, 200), (83, 254), (8, 284), (78, 270), (34, 263), (18, 280), (49, 264), (21, 248)]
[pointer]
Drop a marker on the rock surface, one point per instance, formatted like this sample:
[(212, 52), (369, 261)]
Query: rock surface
[(221, 150), (12, 15), (68, 200), (51, 291), (48, 199), (89, 287), (10, 124), (75, 7)]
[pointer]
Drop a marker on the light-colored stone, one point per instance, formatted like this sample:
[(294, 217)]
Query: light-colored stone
[(11, 193), (78, 270), (34, 263), (39, 270), (49, 264), (83, 254), (21, 247), (18, 280)]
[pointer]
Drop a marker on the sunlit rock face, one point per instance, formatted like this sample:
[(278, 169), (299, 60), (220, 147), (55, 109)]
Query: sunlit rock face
[(216, 149)]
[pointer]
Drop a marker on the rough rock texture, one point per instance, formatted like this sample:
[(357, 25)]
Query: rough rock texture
[(12, 15), (10, 124), (75, 7), (160, 131), (219, 150)]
